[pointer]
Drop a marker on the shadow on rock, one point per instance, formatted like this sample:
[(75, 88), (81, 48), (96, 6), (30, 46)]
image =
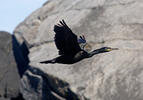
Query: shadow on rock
[(21, 55)]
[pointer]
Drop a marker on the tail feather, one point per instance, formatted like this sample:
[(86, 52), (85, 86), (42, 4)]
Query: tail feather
[(48, 61)]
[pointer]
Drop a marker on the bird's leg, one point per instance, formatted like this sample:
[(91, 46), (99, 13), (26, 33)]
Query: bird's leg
[(49, 61)]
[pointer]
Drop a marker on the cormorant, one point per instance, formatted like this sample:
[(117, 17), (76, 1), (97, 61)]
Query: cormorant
[(71, 49)]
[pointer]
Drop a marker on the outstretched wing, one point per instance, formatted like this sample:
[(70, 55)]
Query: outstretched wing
[(65, 40)]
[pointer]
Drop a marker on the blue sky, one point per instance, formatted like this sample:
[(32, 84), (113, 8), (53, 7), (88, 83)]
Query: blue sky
[(12, 12)]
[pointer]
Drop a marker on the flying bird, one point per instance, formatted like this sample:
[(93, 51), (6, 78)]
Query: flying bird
[(71, 48)]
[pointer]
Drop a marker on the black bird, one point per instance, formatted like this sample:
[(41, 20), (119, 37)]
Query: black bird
[(69, 46)]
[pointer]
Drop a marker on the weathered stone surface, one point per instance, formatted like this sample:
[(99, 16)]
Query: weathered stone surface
[(115, 75), (9, 76)]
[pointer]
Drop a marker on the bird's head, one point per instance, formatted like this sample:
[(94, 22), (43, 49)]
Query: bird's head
[(107, 49)]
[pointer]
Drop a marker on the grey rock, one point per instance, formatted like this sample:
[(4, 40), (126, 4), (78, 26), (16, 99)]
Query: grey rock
[(115, 75), (9, 76), (42, 86)]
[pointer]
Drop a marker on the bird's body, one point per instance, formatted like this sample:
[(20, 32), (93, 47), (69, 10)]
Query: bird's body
[(71, 49), (68, 59)]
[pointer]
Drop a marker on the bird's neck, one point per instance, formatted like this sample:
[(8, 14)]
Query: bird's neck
[(97, 51), (83, 54), (80, 55)]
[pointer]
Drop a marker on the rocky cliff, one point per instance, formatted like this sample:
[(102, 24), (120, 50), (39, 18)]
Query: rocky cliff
[(115, 75), (9, 72)]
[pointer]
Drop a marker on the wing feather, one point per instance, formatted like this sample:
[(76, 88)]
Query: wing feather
[(65, 39)]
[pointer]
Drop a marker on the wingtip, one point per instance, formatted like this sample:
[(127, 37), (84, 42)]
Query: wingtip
[(63, 22), (56, 27)]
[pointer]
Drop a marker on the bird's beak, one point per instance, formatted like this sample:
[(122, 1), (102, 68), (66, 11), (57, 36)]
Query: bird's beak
[(110, 49)]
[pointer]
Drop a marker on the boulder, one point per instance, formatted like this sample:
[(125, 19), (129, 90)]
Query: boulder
[(115, 75), (9, 75)]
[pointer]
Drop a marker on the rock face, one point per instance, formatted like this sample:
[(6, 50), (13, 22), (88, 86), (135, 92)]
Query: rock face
[(9, 76), (115, 75)]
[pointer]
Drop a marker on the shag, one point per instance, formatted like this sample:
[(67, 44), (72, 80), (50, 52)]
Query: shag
[(71, 49)]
